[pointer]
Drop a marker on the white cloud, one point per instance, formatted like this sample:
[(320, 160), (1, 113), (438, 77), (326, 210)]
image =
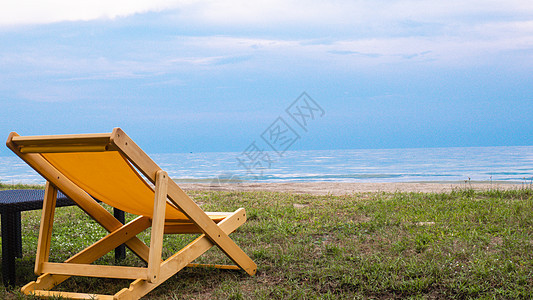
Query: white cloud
[(20, 12), (354, 15), (471, 48), (263, 13), (260, 12)]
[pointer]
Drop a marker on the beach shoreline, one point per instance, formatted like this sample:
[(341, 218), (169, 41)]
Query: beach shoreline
[(343, 188)]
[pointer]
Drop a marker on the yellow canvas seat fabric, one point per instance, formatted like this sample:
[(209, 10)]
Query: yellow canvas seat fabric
[(108, 177)]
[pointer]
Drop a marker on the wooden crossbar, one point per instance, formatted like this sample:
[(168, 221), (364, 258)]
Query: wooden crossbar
[(225, 267), (63, 149), (66, 139), (69, 295), (70, 269)]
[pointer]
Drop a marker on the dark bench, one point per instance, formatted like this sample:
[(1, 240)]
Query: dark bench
[(12, 202)]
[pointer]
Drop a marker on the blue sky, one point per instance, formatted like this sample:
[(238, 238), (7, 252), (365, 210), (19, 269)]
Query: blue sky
[(195, 76)]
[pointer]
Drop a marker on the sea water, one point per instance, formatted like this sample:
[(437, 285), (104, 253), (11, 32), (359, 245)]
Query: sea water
[(507, 164)]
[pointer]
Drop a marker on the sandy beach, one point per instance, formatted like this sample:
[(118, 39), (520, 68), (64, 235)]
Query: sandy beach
[(343, 188)]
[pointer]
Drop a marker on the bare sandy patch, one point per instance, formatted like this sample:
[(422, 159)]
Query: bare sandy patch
[(343, 188)]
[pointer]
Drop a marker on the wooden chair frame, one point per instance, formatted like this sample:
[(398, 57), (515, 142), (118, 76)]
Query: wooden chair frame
[(145, 279)]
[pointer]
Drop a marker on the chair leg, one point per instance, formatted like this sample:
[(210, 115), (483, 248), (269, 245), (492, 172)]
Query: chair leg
[(158, 225), (45, 231)]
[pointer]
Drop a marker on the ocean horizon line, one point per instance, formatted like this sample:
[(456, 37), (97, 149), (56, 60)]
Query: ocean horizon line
[(451, 164)]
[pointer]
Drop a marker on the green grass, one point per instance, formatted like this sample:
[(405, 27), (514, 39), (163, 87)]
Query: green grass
[(19, 186), (458, 245)]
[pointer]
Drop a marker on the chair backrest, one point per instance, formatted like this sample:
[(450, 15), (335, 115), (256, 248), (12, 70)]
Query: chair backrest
[(101, 171)]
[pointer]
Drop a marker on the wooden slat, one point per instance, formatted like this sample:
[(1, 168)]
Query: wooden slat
[(68, 295), (104, 271), (226, 267), (66, 139), (63, 148), (181, 229), (158, 225), (45, 230)]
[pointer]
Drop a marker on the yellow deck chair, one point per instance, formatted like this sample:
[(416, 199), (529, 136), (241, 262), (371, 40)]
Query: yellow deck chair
[(106, 167)]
